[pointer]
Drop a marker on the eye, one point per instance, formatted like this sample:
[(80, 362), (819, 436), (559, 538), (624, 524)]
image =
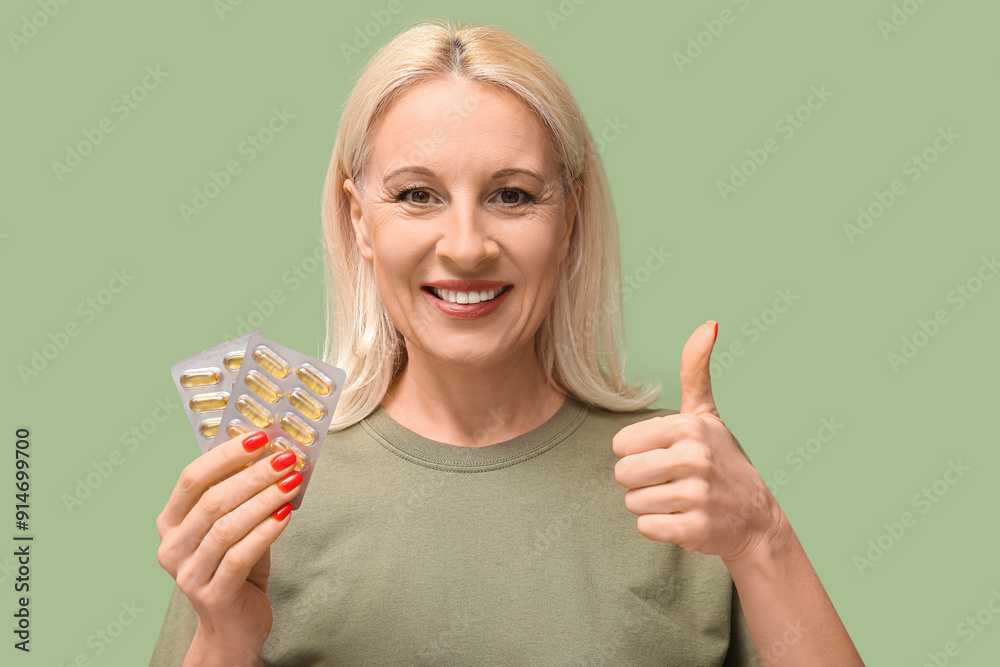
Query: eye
[(422, 196), (516, 192)]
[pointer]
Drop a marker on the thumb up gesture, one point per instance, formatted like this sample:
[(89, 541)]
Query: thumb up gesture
[(688, 482)]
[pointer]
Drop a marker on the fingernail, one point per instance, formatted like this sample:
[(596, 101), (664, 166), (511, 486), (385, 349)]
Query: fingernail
[(282, 511), (290, 482), (283, 460), (716, 328), (255, 441)]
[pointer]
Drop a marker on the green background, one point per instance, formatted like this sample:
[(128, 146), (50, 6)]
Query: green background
[(680, 130)]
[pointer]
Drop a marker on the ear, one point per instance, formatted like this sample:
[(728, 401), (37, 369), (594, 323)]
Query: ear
[(572, 208), (362, 233)]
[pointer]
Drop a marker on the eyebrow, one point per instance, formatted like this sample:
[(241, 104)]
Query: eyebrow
[(430, 174)]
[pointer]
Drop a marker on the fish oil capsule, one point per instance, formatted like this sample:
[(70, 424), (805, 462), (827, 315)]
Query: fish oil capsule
[(294, 427), (300, 457), (200, 377), (261, 386), (271, 362), (279, 445), (306, 404), (235, 428), (233, 360), (254, 411), (315, 380), (214, 401), (210, 427)]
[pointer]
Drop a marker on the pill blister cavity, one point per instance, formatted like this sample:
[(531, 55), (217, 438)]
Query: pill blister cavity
[(254, 411), (315, 380), (270, 362), (300, 457), (306, 404), (233, 360), (279, 445), (214, 401), (210, 427), (261, 386), (235, 428), (294, 427), (200, 377)]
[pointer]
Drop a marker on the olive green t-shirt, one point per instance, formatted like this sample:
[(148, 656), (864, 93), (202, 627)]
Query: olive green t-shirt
[(408, 551)]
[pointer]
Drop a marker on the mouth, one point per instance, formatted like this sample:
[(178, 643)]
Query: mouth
[(466, 297)]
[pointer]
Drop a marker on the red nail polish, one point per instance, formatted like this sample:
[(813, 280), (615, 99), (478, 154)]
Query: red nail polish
[(290, 482), (282, 511), (255, 441), (283, 460), (716, 328)]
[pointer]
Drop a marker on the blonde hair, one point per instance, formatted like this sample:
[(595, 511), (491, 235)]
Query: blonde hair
[(577, 342)]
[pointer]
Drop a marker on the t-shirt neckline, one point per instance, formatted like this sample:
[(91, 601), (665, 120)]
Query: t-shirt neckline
[(422, 451)]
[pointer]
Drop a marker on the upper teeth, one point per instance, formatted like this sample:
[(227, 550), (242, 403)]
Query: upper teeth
[(466, 297)]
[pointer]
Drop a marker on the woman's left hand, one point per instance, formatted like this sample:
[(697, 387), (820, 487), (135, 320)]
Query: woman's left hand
[(687, 480)]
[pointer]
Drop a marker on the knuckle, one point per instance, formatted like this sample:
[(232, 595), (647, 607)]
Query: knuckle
[(188, 479), (165, 558), (211, 502), (224, 530)]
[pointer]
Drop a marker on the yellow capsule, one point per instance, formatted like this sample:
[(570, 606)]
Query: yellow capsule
[(270, 362), (233, 360), (279, 445), (300, 457), (294, 427), (305, 404), (214, 401), (210, 427), (200, 377), (315, 380), (235, 428), (261, 386), (254, 411)]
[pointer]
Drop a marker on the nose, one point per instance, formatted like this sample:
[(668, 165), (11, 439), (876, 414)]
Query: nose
[(464, 238)]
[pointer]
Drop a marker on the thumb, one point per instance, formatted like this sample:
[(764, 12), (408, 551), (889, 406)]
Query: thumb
[(696, 376)]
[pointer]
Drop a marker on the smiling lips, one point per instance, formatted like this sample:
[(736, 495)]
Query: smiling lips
[(465, 299)]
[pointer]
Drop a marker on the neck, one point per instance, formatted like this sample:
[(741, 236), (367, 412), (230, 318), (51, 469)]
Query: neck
[(471, 406)]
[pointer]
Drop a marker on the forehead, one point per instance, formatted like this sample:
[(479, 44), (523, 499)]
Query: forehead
[(460, 126)]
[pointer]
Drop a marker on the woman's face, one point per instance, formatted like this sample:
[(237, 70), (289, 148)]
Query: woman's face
[(462, 186)]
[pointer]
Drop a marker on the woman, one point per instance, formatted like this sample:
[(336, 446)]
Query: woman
[(468, 507)]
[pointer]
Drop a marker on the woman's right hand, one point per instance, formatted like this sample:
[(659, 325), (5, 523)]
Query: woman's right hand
[(216, 538)]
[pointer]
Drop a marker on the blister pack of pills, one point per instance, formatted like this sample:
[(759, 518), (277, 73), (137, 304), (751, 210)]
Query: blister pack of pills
[(203, 381), (253, 384), (288, 395)]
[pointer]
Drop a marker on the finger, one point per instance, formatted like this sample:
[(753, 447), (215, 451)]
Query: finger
[(226, 496), (205, 471), (680, 496), (680, 528), (231, 529), (241, 558), (658, 466), (696, 376), (656, 432)]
